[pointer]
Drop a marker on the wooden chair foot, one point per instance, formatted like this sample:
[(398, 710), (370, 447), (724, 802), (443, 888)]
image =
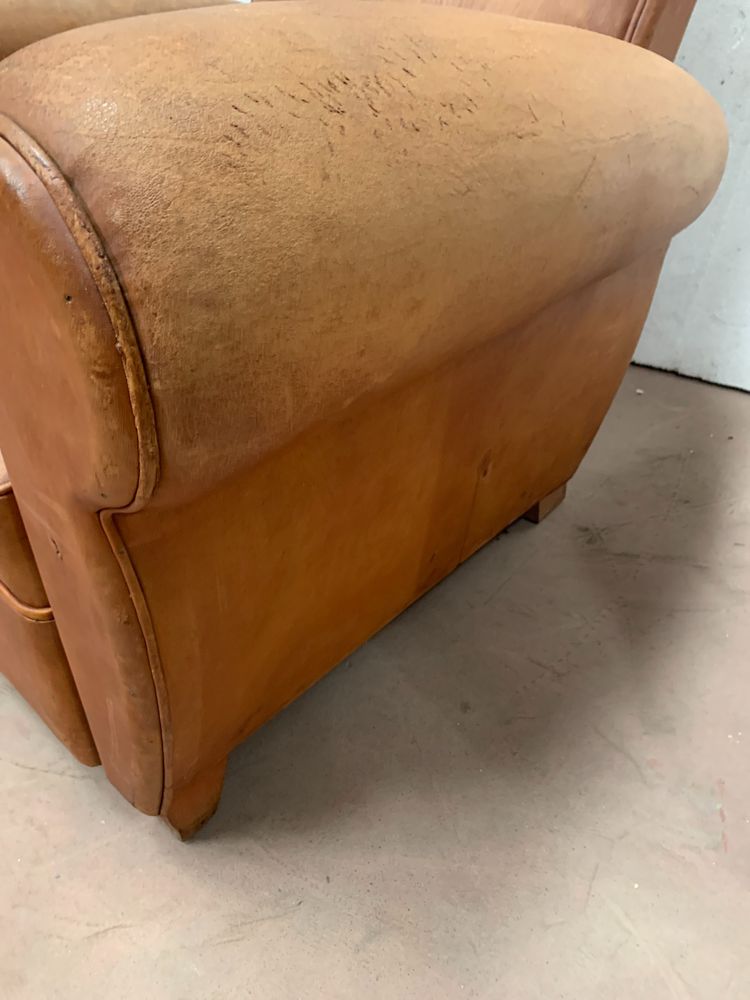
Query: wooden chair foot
[(189, 807), (546, 505)]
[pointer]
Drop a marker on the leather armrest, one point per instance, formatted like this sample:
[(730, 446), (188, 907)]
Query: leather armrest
[(303, 205)]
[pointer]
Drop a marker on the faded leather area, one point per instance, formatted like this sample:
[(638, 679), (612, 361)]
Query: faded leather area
[(352, 195)]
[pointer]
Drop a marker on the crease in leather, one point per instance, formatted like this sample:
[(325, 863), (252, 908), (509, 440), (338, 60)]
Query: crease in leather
[(86, 237), (635, 21)]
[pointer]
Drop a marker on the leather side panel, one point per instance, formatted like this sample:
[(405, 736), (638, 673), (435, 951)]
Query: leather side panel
[(261, 587), (73, 449), (31, 656), (34, 662)]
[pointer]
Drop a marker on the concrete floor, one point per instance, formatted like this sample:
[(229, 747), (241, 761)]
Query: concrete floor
[(533, 785)]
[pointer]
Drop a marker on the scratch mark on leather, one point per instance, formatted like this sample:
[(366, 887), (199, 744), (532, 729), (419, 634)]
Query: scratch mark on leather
[(586, 175)]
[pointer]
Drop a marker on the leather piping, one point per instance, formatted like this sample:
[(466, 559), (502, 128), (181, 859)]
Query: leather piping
[(30, 612), (87, 239), (635, 21), (27, 611), (75, 216)]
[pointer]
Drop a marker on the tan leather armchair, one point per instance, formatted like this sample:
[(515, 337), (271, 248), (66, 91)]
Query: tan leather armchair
[(305, 303)]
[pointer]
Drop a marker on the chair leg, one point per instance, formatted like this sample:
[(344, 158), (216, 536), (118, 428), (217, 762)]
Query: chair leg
[(546, 505), (189, 807)]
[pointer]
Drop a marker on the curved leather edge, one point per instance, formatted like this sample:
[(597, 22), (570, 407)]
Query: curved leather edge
[(88, 241), (635, 20), (27, 611), (143, 613)]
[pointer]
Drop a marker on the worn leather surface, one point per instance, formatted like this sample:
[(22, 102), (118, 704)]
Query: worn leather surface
[(25, 21), (367, 261), (306, 176), (653, 24)]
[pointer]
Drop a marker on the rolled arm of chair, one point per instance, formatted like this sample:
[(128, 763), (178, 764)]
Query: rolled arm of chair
[(221, 226), (304, 203)]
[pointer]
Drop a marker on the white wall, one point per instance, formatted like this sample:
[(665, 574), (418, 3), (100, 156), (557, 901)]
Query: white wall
[(700, 321)]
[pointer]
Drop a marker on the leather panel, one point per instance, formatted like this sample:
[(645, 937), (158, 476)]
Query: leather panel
[(19, 575), (71, 444), (34, 662), (259, 588)]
